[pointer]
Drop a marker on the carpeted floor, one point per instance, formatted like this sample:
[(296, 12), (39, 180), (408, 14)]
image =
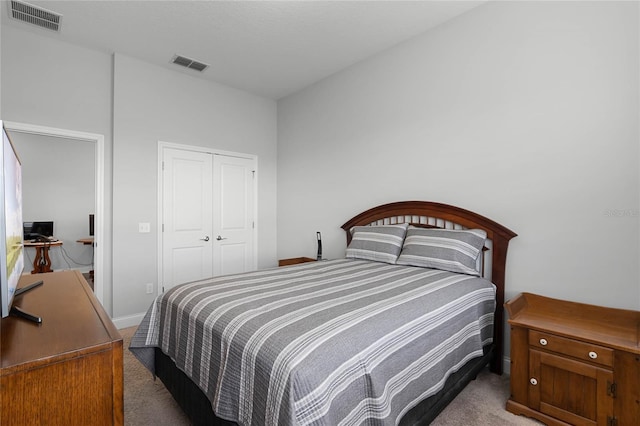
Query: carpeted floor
[(147, 402)]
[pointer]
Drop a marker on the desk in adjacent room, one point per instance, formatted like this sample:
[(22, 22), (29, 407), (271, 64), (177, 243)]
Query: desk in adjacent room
[(88, 242), (42, 262)]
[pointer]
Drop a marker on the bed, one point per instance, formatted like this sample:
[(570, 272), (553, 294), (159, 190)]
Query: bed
[(388, 335)]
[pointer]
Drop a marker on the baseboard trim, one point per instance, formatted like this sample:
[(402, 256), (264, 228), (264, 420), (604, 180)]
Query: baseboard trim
[(128, 321)]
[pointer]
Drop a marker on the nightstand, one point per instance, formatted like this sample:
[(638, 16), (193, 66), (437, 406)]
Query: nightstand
[(294, 261), (573, 363)]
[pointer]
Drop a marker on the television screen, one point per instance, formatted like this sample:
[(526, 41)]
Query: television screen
[(11, 253)]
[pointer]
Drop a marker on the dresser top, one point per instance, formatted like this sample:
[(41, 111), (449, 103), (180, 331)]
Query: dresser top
[(616, 328), (73, 323)]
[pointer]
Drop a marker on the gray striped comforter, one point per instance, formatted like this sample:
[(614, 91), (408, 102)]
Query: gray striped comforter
[(343, 342)]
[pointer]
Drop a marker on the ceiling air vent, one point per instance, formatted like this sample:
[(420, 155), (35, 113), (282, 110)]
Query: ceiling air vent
[(35, 15), (189, 63)]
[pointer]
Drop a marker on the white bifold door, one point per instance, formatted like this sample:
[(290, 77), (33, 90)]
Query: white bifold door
[(207, 213)]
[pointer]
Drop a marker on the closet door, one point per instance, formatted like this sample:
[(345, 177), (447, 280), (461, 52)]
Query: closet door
[(187, 246), (234, 210), (208, 214)]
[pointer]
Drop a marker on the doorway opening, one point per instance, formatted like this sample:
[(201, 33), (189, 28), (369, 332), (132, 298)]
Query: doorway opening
[(68, 138)]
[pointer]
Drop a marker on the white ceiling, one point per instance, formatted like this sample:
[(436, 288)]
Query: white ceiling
[(270, 48)]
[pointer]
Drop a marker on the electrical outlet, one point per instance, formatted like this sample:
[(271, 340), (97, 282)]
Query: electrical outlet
[(150, 288), (144, 227)]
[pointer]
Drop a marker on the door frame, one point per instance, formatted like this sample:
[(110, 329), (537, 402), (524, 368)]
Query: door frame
[(98, 140), (172, 145)]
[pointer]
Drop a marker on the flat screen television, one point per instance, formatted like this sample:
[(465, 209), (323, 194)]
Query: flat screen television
[(12, 251)]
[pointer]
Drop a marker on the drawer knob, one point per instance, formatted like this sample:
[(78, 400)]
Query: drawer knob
[(533, 381), (593, 355), (543, 342)]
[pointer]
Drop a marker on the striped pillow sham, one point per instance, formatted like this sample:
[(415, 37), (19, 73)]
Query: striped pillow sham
[(454, 250), (381, 243)]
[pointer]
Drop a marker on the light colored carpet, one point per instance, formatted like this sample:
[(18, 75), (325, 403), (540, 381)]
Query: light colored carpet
[(147, 402)]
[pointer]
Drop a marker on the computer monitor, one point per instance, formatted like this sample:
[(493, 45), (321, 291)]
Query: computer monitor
[(33, 230)]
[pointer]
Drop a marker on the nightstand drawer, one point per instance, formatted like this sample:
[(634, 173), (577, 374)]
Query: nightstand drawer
[(574, 348)]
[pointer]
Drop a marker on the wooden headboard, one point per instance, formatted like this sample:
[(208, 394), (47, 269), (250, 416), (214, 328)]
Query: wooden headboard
[(427, 213)]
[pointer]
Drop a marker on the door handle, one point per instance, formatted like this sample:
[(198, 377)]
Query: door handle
[(219, 238), (206, 238)]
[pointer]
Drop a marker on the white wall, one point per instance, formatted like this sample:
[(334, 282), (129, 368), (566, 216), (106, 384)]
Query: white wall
[(58, 182), (525, 112), (152, 104), (49, 83)]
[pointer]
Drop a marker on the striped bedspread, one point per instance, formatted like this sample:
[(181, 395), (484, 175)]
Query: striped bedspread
[(342, 342)]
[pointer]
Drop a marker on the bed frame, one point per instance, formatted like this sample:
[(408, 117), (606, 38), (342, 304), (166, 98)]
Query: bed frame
[(420, 213)]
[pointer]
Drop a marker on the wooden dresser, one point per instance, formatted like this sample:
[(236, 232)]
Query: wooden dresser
[(67, 370), (573, 363)]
